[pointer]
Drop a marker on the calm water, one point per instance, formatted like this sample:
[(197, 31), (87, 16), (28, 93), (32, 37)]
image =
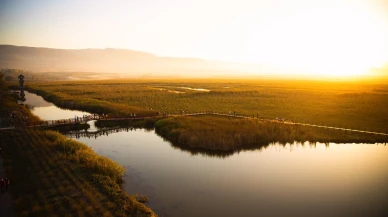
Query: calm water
[(48, 111), (291, 180)]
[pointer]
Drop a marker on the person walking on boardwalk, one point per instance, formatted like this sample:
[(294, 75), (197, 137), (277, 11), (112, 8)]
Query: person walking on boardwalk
[(6, 180)]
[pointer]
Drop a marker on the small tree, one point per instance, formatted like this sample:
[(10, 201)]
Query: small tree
[(9, 78), (2, 82)]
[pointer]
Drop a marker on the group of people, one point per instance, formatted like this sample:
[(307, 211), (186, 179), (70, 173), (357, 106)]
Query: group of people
[(4, 185)]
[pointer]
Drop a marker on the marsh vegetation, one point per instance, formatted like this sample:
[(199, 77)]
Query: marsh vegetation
[(235, 134), (353, 105)]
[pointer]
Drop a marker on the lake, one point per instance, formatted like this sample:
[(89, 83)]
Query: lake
[(279, 180)]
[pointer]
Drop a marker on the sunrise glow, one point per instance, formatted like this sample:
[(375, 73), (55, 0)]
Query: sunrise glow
[(332, 38)]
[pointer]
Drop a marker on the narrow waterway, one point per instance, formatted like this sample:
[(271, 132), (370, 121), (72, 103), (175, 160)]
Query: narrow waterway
[(48, 111), (280, 180)]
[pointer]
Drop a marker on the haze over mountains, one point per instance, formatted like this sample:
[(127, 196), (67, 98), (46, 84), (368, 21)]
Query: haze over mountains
[(139, 64), (132, 63)]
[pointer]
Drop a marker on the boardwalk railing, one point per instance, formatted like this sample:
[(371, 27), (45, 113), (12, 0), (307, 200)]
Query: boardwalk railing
[(84, 119)]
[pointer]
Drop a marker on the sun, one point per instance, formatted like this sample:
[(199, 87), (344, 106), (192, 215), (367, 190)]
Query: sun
[(320, 42), (344, 43)]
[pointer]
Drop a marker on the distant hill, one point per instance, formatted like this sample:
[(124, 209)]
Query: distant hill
[(133, 63)]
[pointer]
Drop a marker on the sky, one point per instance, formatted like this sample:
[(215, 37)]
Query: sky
[(321, 36)]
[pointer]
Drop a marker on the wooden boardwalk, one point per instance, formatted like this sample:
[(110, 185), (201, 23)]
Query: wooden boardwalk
[(80, 120), (84, 119)]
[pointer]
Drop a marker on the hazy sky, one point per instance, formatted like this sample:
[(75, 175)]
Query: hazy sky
[(327, 36)]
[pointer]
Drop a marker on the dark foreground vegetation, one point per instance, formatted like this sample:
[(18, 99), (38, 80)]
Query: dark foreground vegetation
[(233, 134), (56, 176)]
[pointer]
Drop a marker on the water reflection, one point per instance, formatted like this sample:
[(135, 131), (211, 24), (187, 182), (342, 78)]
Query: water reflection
[(227, 153), (297, 179), (48, 111), (22, 96), (95, 132)]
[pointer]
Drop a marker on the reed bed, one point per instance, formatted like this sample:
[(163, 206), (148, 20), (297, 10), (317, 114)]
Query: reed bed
[(233, 134), (356, 105), (85, 156)]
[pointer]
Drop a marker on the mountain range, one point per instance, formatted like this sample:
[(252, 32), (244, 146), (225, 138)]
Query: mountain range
[(130, 62), (136, 64)]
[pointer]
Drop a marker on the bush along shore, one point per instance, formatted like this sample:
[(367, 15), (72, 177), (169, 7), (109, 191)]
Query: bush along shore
[(52, 175), (148, 123), (228, 134), (67, 127)]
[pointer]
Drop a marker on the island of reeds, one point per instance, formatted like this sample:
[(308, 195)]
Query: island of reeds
[(220, 133)]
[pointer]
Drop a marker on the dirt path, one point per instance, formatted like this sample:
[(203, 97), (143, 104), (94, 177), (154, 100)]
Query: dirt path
[(6, 206)]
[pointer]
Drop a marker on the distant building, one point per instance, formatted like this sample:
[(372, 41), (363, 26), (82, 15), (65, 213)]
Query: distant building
[(21, 82)]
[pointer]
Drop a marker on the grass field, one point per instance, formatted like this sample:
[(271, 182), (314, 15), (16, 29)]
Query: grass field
[(52, 175), (354, 105)]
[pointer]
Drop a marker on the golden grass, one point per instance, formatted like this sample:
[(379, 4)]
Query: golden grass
[(55, 176), (233, 134), (354, 105)]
